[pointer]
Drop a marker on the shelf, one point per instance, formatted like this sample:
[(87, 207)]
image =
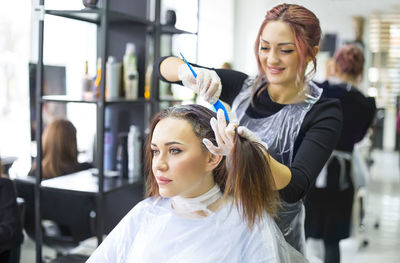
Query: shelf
[(94, 16), (170, 30), (69, 99), (86, 15), (65, 99), (87, 183), (173, 30), (128, 101)]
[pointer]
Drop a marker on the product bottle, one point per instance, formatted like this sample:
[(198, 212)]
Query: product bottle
[(134, 156), (147, 84), (122, 155), (108, 147), (109, 141), (97, 78), (131, 76), (86, 84), (112, 78)]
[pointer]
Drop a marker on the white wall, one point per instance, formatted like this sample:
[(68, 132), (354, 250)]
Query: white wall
[(216, 32)]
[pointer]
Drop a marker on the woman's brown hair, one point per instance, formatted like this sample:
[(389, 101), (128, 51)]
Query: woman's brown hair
[(247, 179), (307, 33), (60, 150)]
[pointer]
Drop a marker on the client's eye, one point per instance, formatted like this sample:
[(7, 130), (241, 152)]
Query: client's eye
[(155, 152), (174, 150)]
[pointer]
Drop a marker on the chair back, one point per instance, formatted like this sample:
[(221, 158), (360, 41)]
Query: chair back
[(72, 213)]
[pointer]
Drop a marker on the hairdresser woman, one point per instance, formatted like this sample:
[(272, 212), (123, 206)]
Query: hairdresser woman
[(329, 203), (278, 106)]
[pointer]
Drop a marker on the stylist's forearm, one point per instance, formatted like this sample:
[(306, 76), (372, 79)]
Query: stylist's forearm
[(280, 172), (169, 68)]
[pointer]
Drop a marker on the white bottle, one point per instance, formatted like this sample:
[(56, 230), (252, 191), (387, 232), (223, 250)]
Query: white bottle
[(112, 78), (134, 153), (131, 76)]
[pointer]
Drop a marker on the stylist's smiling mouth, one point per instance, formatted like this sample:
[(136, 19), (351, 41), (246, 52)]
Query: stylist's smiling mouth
[(275, 70), (162, 180)]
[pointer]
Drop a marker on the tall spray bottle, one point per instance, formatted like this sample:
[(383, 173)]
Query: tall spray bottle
[(131, 76), (134, 153), (112, 78)]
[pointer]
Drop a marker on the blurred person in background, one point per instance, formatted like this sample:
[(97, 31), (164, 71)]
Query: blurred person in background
[(329, 203), (60, 151)]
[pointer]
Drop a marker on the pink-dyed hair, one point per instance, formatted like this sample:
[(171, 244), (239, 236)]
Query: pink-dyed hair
[(350, 60), (306, 30)]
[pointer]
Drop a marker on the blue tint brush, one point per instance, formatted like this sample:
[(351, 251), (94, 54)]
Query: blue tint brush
[(217, 105)]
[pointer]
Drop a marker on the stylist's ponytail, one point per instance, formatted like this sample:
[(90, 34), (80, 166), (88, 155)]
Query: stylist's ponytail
[(250, 181)]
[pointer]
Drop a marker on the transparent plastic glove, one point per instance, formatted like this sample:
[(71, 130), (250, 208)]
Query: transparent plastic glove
[(207, 85), (251, 136), (223, 134)]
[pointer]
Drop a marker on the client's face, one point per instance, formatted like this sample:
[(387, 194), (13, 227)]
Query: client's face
[(179, 163)]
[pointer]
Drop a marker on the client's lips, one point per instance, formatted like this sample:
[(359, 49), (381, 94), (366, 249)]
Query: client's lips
[(161, 180)]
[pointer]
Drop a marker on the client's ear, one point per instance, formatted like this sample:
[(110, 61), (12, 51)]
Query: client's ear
[(213, 161)]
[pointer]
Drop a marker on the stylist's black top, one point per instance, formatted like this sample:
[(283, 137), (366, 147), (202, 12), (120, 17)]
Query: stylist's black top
[(317, 137), (358, 112)]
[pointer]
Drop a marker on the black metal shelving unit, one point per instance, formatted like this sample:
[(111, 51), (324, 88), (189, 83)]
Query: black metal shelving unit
[(159, 30), (109, 19)]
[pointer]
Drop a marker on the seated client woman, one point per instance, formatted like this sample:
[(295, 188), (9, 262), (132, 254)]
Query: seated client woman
[(201, 207)]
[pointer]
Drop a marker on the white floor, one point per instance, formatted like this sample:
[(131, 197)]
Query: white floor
[(382, 208), (379, 240)]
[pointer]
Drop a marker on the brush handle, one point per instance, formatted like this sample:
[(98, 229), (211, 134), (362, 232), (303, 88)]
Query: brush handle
[(190, 67), (217, 105)]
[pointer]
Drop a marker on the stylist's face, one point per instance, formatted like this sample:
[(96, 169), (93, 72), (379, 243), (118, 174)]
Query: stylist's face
[(180, 165), (278, 53)]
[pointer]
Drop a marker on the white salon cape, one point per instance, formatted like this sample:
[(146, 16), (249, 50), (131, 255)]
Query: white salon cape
[(153, 232)]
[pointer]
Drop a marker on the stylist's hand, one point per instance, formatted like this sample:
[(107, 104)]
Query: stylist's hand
[(207, 85), (223, 134), (251, 136)]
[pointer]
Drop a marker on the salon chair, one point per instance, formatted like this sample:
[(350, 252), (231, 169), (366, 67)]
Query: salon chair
[(67, 217)]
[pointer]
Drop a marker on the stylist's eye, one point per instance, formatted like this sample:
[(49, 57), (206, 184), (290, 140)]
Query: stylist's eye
[(287, 51), (264, 48), (174, 151)]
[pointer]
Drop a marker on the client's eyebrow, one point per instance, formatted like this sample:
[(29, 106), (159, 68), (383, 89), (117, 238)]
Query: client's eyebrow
[(168, 143)]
